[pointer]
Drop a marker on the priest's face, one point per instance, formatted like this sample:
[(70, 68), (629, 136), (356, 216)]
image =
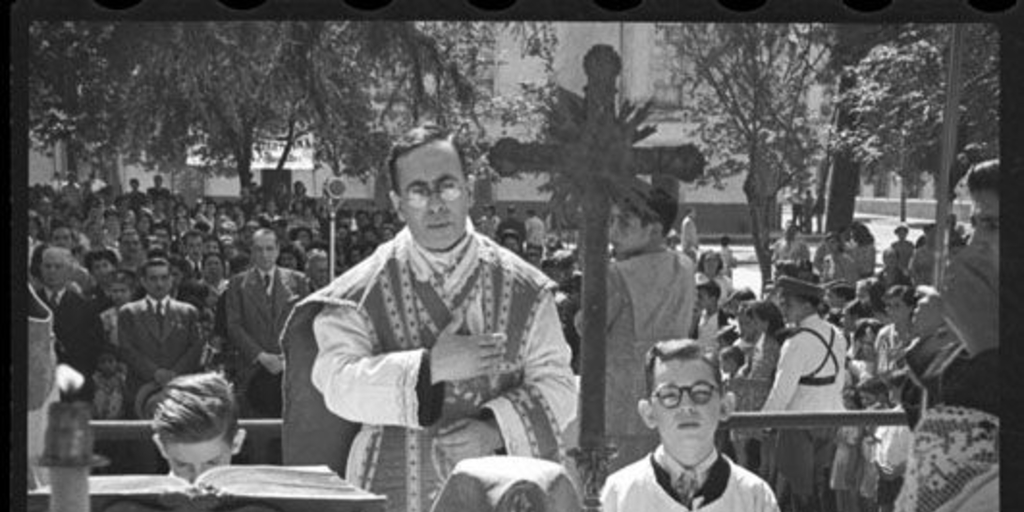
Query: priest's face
[(434, 196)]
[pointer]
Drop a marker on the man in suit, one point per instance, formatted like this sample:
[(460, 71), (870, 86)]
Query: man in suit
[(76, 323), (160, 337), (258, 302)]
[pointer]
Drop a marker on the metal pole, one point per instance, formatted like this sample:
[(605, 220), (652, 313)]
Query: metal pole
[(950, 116), (333, 249)]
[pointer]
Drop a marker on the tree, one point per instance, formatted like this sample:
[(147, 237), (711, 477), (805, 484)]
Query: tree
[(899, 96), (218, 89), (750, 107), (72, 102), (890, 101)]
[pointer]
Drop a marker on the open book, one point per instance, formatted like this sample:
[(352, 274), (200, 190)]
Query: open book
[(227, 488)]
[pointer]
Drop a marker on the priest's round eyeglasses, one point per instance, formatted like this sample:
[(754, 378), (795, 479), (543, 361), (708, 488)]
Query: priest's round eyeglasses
[(670, 395), (418, 196)]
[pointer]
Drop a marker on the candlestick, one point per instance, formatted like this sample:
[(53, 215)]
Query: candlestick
[(68, 455)]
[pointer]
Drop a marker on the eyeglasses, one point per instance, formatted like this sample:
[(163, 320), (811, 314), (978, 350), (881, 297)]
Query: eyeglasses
[(418, 196), (670, 395)]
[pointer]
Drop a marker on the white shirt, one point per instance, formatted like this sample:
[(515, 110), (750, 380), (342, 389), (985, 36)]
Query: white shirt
[(690, 239), (365, 386), (54, 296), (635, 488), (535, 231), (163, 303), (263, 279), (801, 355)]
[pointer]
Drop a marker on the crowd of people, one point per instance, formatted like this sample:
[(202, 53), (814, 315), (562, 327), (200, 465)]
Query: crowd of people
[(465, 336)]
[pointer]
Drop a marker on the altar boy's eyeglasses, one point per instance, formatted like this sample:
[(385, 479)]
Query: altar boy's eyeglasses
[(670, 395)]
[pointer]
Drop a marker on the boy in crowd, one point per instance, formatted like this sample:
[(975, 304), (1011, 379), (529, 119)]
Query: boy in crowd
[(685, 403), (710, 319), (195, 426)]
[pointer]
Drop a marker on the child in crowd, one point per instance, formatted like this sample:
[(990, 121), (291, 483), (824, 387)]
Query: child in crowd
[(863, 356), (728, 261), (846, 465), (873, 394), (109, 383), (685, 403), (710, 319), (732, 359), (892, 450), (120, 290), (195, 426)]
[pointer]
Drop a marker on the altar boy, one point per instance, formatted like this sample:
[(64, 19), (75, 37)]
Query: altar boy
[(685, 403)]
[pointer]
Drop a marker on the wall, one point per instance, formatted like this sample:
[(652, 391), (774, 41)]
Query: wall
[(919, 210)]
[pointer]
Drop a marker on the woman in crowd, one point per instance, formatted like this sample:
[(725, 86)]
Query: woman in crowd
[(862, 249), (893, 339), (761, 320), (838, 265), (892, 274), (711, 265)]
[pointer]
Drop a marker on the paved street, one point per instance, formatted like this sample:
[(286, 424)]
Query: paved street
[(747, 273)]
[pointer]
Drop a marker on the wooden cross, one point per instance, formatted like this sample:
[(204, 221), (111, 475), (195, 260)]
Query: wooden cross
[(593, 161)]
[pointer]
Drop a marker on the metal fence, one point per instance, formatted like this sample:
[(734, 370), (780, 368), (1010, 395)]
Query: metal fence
[(104, 430)]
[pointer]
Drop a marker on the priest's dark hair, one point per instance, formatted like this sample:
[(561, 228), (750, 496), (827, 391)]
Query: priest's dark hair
[(416, 138)]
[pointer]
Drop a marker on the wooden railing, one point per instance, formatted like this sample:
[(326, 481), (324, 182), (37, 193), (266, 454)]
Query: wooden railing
[(266, 428)]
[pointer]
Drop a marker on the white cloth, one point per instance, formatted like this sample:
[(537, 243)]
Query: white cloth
[(535, 231), (801, 355), (690, 240), (380, 389), (635, 487)]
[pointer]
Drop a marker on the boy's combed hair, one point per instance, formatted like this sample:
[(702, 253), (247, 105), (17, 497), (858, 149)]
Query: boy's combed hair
[(679, 350), (197, 408)]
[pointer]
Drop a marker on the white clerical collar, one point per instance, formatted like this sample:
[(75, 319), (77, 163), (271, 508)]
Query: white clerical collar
[(676, 468), (449, 269)]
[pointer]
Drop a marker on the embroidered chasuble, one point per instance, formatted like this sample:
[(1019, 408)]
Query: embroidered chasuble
[(352, 395)]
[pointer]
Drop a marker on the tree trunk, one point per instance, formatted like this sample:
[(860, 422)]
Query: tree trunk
[(243, 158), (243, 164), (761, 210), (287, 151)]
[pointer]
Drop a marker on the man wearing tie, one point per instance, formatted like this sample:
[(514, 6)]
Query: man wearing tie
[(160, 337), (192, 247), (76, 323), (258, 302)]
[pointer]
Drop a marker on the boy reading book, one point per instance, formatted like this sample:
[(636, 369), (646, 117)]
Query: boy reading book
[(195, 426), (685, 403)]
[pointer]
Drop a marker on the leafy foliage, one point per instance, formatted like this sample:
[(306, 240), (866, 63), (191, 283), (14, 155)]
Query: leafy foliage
[(899, 96), (749, 87), (156, 92)]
